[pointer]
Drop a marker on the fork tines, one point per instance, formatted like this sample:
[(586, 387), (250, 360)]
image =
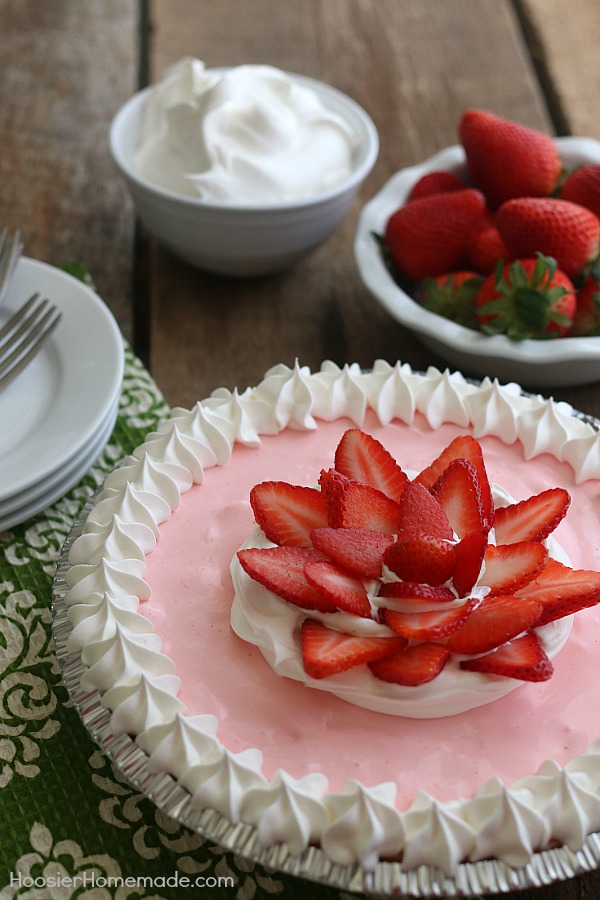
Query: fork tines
[(10, 253), (23, 335)]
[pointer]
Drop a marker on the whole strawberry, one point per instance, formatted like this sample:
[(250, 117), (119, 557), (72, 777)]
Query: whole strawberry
[(429, 236), (486, 249), (558, 228), (586, 322), (452, 296), (506, 159), (528, 298), (583, 186), (441, 181)]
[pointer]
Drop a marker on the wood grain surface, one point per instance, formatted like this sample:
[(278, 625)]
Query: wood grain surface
[(415, 65), (66, 69)]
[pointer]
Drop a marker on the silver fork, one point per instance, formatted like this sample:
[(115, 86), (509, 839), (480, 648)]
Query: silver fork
[(10, 252), (22, 337)]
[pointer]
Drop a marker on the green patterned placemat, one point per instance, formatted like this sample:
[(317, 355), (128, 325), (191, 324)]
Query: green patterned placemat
[(70, 825)]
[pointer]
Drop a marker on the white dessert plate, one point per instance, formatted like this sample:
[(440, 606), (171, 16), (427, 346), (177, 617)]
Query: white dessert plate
[(29, 502), (58, 405), (554, 363)]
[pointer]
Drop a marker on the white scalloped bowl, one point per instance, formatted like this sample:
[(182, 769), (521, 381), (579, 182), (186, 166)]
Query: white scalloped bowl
[(556, 363), (241, 240)]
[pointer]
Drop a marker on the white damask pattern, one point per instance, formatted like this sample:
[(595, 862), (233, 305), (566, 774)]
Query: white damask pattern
[(58, 870), (121, 808), (27, 699)]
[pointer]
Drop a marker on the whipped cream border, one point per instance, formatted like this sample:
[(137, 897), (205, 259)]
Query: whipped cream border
[(123, 657)]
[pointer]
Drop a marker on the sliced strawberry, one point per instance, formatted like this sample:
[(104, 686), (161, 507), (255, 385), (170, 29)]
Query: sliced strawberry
[(532, 519), (414, 666), (357, 549), (470, 551), (333, 484), (421, 558), (561, 591), (326, 652), (496, 620), (281, 570), (351, 504), (523, 658), (509, 567), (464, 446), (429, 625), (361, 457), (459, 494), (287, 513), (421, 513), (411, 590), (346, 591)]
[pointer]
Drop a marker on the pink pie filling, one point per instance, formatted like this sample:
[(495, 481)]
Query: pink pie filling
[(303, 730)]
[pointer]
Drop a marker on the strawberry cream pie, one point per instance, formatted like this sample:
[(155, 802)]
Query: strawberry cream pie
[(357, 610)]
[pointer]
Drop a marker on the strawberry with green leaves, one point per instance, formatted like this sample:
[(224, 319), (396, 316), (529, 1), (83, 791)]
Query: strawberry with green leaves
[(528, 298), (565, 231), (428, 237), (507, 159), (452, 295), (586, 321)]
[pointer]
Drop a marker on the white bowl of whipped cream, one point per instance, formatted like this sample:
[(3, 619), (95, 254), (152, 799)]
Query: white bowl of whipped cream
[(243, 170)]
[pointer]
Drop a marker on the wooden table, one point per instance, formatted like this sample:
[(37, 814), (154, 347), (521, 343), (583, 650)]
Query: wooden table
[(413, 64)]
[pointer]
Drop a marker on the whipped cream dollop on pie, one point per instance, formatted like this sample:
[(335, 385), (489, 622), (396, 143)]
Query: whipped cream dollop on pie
[(149, 597), (260, 616)]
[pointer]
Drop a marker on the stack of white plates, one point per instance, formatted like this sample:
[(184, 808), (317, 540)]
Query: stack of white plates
[(57, 416)]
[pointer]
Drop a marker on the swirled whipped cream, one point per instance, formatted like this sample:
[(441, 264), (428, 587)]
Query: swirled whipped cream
[(247, 135), (149, 597)]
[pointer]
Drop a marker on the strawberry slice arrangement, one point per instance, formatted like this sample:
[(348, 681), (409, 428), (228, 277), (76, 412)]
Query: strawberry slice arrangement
[(513, 247), (430, 560)]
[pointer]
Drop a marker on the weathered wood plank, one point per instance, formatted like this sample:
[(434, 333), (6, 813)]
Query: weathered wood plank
[(565, 38), (66, 68)]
